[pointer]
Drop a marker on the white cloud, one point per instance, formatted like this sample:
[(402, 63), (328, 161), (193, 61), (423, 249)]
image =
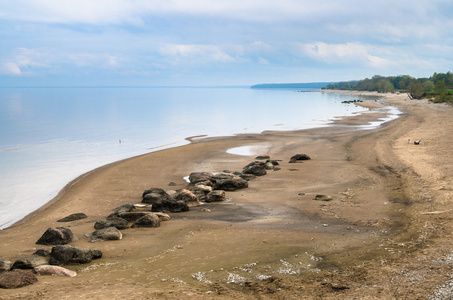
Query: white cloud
[(10, 68), (196, 53), (343, 53)]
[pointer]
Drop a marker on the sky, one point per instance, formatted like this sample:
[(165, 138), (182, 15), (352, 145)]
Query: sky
[(220, 42)]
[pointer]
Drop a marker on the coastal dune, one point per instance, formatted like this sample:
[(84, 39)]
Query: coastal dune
[(387, 223)]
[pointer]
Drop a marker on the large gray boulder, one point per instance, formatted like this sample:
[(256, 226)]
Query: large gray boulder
[(196, 177), (73, 217), (111, 221), (29, 262), (105, 234), (149, 220), (231, 184), (56, 236), (69, 255), (53, 271), (16, 279)]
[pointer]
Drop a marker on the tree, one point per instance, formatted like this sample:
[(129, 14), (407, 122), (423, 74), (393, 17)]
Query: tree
[(440, 87), (415, 89), (428, 85)]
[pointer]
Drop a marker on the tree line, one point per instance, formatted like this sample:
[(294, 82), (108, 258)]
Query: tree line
[(438, 87)]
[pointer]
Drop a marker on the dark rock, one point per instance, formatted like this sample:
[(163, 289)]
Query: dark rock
[(231, 184), (153, 195), (172, 184), (42, 252), (106, 234), (262, 157), (274, 162), (128, 207), (69, 255), (215, 196), (53, 271), (5, 265), (200, 176), (256, 168), (170, 206), (323, 198), (16, 279), (298, 157), (29, 262), (56, 236), (149, 220), (132, 216), (73, 217), (247, 177), (111, 221)]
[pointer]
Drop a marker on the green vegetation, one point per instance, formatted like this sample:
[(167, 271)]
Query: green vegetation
[(438, 87)]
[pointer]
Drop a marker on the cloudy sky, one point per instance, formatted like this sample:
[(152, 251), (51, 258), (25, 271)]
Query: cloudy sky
[(220, 42)]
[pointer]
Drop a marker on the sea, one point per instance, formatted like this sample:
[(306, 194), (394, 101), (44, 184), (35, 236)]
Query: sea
[(51, 135)]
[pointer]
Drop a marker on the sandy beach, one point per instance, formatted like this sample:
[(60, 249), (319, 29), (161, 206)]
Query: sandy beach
[(385, 235)]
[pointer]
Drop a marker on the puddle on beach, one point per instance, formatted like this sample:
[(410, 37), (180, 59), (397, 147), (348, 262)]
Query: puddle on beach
[(249, 150)]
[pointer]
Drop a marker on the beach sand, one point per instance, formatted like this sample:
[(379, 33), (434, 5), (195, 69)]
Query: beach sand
[(385, 234)]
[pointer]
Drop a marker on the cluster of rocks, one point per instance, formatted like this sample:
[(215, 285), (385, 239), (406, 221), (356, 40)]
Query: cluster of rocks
[(203, 187), (351, 101)]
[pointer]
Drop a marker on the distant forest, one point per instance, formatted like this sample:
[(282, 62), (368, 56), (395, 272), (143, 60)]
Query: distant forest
[(438, 87)]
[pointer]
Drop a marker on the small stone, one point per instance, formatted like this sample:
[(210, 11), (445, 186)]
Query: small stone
[(323, 198)]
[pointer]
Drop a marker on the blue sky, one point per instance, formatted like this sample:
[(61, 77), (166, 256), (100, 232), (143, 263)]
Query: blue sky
[(220, 42)]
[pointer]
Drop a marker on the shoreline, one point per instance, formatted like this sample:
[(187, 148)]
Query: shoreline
[(378, 181)]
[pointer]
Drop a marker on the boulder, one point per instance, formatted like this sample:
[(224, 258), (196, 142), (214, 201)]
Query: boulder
[(153, 195), (215, 196), (132, 216), (128, 207), (231, 184), (247, 177), (16, 279), (170, 206), (42, 252), (111, 221), (162, 216), (105, 234), (200, 176), (201, 191), (187, 196), (256, 168), (56, 236), (5, 265), (298, 157), (274, 162), (29, 262), (222, 175), (69, 255), (149, 220), (73, 217), (323, 198), (54, 271), (269, 166)]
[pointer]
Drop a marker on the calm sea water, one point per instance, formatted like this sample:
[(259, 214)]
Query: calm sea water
[(49, 136)]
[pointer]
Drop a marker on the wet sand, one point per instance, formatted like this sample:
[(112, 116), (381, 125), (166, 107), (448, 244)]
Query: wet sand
[(388, 218)]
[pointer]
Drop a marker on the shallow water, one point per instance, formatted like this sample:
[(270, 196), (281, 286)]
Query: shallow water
[(49, 136)]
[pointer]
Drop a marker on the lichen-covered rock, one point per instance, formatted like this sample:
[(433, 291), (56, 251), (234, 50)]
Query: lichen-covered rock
[(105, 234), (111, 221), (56, 236), (73, 217), (149, 220), (29, 262), (16, 279), (69, 255), (53, 271)]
